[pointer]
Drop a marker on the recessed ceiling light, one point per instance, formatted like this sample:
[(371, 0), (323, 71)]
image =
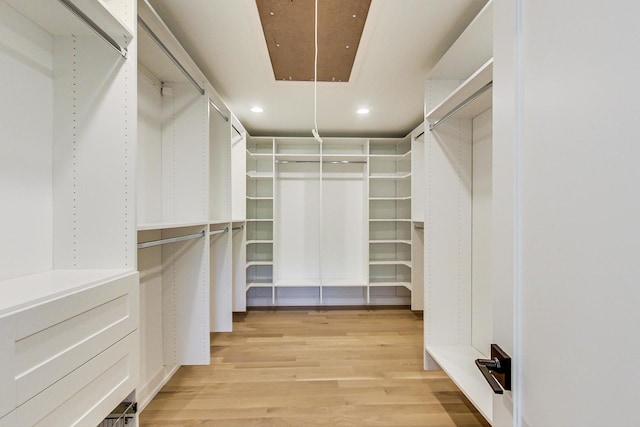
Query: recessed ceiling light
[(257, 109), (347, 46), (362, 111)]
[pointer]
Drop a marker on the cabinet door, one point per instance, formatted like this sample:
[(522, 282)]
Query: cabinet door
[(572, 213)]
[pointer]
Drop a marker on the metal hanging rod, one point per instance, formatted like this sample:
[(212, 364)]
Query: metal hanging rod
[(237, 131), (416, 227), (94, 27), (214, 232), (463, 104), (215, 107), (237, 228), (335, 162), (170, 240), (167, 52), (419, 135)]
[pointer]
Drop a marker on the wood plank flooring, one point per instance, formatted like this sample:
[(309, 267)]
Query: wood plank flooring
[(327, 368)]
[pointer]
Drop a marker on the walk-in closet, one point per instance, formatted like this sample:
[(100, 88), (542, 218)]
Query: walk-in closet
[(318, 212)]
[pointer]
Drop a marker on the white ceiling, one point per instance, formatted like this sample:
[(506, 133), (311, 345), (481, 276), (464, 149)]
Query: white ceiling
[(401, 42)]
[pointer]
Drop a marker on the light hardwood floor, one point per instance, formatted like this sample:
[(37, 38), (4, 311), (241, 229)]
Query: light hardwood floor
[(314, 368)]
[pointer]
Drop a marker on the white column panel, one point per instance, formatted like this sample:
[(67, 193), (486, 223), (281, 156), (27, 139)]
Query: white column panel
[(297, 223), (26, 144), (185, 142), (149, 160), (185, 298), (481, 250), (344, 236), (94, 154), (448, 234), (221, 281)]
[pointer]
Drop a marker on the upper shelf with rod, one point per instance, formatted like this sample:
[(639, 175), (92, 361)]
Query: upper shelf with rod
[(470, 98), (111, 21)]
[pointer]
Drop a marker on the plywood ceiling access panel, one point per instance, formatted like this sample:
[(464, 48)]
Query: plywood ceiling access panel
[(288, 27)]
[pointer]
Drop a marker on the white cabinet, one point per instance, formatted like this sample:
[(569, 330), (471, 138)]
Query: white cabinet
[(329, 223), (70, 346), (67, 162), (260, 214), (458, 210), (191, 207), (390, 212)]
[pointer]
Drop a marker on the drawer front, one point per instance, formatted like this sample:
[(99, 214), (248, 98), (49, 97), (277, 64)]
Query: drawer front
[(85, 396), (7, 367), (9, 420), (55, 338)]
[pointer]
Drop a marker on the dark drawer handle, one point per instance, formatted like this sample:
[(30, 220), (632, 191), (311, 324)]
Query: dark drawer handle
[(497, 370), (484, 365)]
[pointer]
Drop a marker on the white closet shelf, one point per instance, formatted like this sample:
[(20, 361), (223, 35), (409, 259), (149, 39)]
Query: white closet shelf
[(390, 284), (251, 263), (293, 283), (57, 20), (389, 220), (298, 157), (344, 283), (390, 198), (219, 221), (335, 157), (393, 262), (164, 226), (402, 175), (23, 291), (258, 242), (259, 198), (257, 155), (479, 79), (259, 175), (458, 361), (406, 242), (390, 156), (259, 220), (259, 285)]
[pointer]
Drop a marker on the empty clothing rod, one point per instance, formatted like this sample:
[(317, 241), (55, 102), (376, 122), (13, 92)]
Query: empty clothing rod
[(335, 162), (170, 240), (237, 131), (237, 228), (170, 55), (416, 227), (226, 118), (419, 135), (96, 29), (214, 232), (463, 104)]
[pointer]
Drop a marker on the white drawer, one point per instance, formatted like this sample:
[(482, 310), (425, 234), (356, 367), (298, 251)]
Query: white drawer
[(7, 363), (54, 338), (45, 345), (9, 420), (86, 395)]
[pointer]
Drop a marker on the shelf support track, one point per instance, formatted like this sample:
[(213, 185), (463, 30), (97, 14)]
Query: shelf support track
[(460, 106), (94, 27)]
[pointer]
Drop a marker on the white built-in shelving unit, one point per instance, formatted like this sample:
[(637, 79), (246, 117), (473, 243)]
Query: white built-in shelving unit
[(390, 212), (330, 222), (67, 162), (190, 205), (457, 219), (259, 210)]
